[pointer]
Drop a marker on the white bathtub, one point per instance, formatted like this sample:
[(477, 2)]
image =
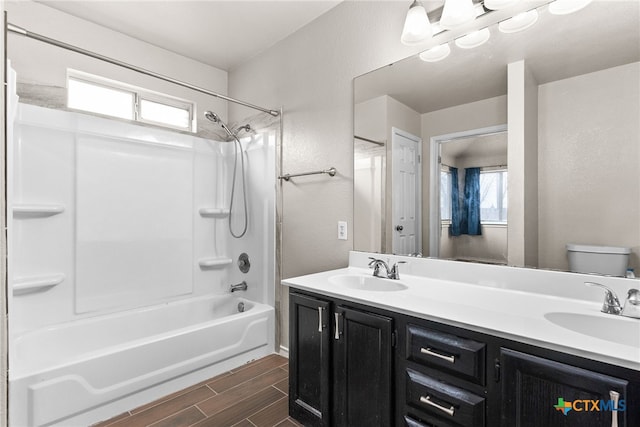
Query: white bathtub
[(89, 370)]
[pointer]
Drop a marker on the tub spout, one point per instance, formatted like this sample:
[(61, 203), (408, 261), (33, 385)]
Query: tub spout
[(239, 287)]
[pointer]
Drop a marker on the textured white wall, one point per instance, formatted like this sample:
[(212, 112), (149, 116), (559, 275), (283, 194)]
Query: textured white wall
[(523, 168), (589, 163), (3, 254), (310, 74), (40, 63)]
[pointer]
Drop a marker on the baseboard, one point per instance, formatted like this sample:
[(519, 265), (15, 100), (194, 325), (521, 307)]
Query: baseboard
[(284, 351)]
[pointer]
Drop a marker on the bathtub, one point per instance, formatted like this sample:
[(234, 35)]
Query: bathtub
[(90, 370)]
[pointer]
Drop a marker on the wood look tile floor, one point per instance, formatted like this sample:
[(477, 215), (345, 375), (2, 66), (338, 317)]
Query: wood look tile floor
[(252, 395)]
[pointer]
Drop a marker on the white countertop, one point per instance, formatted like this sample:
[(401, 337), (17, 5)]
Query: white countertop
[(508, 313)]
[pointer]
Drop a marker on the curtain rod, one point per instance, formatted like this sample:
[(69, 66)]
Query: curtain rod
[(18, 30)]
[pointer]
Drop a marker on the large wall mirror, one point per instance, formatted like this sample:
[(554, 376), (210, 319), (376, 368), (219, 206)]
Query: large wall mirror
[(541, 127)]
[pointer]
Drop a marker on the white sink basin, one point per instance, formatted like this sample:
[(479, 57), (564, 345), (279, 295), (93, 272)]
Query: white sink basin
[(367, 283), (609, 327)]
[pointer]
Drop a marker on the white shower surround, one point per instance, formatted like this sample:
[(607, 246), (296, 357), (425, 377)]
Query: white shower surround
[(123, 228)]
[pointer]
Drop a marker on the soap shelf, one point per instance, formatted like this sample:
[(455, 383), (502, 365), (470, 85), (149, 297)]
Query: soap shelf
[(36, 210), (27, 285), (213, 212), (210, 263)]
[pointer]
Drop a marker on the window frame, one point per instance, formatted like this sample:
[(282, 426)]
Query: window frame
[(445, 221), (503, 176), (139, 94)]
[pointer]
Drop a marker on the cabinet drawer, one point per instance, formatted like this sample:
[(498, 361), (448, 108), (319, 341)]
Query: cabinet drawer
[(448, 402), (410, 422), (413, 421), (461, 356)]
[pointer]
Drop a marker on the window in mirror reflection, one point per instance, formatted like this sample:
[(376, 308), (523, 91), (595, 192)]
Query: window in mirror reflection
[(493, 196)]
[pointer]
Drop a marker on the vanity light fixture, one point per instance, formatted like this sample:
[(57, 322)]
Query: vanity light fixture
[(565, 7), (520, 22), (457, 13), (417, 27), (436, 54), (498, 4), (475, 39)]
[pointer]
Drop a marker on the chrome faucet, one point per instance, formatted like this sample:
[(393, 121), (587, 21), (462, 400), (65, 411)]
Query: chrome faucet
[(612, 305), (239, 287), (391, 273)]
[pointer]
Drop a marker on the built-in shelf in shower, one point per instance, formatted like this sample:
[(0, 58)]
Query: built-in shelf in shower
[(213, 212), (36, 210), (218, 262), (27, 285)]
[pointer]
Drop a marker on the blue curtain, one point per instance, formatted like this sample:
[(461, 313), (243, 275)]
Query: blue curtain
[(454, 228), (470, 223)]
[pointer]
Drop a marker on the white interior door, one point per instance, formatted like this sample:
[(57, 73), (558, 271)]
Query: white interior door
[(406, 186)]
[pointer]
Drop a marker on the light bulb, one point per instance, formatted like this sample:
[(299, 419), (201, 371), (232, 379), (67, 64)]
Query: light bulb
[(498, 4), (456, 13), (474, 39), (436, 54), (565, 7), (520, 22), (417, 27)]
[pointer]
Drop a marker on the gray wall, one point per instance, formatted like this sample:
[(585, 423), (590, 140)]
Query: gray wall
[(589, 163), (311, 75)]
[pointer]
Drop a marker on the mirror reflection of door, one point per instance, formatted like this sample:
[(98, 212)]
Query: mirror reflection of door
[(473, 198), (406, 186)]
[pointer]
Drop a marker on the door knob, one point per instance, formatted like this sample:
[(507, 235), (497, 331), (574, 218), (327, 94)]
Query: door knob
[(399, 228)]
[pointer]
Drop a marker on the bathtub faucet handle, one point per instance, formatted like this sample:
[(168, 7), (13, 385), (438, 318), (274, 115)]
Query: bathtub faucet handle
[(239, 287)]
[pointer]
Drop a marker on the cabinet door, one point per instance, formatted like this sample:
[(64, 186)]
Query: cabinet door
[(363, 368), (309, 360), (541, 392)]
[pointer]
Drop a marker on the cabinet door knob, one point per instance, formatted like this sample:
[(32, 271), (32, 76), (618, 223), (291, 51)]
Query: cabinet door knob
[(399, 228), (449, 411), (319, 319)]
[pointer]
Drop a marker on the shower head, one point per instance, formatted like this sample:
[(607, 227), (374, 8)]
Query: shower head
[(210, 115)]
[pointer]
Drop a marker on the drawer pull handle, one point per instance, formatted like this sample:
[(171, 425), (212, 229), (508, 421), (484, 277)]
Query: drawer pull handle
[(429, 352), (449, 411), (319, 319), (337, 334)]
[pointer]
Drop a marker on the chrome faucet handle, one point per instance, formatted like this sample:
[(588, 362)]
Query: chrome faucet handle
[(375, 264), (395, 272), (611, 304), (632, 304)]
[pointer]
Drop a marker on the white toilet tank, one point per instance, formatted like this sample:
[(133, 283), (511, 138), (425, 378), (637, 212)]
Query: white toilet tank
[(608, 260)]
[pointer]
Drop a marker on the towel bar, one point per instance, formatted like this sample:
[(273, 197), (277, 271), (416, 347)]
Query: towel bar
[(331, 172)]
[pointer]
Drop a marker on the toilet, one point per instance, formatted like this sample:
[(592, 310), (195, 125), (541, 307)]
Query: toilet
[(607, 260)]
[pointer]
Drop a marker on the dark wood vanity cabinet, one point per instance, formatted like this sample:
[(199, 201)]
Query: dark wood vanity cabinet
[(444, 377), (353, 365), (341, 364), (535, 390), (309, 360)]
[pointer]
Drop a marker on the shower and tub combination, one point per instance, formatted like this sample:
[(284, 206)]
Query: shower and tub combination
[(124, 248)]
